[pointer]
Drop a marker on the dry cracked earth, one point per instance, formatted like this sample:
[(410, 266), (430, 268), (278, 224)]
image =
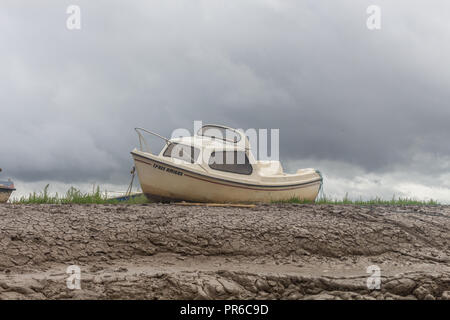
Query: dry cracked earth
[(162, 251)]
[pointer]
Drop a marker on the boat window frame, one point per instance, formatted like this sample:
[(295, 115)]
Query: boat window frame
[(223, 129), (194, 157), (247, 162)]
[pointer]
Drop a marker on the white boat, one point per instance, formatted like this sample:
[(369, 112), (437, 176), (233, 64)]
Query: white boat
[(6, 188), (217, 165)]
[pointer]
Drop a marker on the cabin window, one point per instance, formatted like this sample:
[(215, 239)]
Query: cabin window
[(230, 161), (182, 152)]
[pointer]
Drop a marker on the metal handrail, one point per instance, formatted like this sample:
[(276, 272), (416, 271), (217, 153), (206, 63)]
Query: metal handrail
[(142, 139), (242, 139), (221, 127)]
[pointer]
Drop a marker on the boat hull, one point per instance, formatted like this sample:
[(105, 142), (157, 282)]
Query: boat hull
[(5, 194), (165, 182)]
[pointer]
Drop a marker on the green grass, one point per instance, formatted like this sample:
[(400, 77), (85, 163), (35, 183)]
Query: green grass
[(374, 201), (75, 196)]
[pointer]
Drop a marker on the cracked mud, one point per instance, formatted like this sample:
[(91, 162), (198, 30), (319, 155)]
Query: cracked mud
[(160, 251)]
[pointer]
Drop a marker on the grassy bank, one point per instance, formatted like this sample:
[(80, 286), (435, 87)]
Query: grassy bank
[(374, 201), (75, 196)]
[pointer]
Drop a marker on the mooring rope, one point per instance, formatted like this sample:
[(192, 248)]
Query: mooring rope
[(321, 184), (130, 187)]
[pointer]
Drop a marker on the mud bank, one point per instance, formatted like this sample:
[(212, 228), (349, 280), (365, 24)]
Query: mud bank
[(268, 252)]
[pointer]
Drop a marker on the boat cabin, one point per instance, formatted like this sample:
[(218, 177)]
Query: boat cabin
[(219, 149)]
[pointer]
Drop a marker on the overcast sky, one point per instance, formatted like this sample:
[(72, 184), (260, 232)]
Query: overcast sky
[(369, 108)]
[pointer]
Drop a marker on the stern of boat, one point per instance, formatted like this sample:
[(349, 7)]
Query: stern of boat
[(5, 193)]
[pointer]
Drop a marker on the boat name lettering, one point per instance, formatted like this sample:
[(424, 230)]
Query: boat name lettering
[(170, 170)]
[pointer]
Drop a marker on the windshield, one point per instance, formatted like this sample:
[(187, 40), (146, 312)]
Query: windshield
[(182, 152)]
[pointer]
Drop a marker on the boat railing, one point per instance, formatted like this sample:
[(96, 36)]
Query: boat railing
[(239, 137), (143, 142), (223, 129)]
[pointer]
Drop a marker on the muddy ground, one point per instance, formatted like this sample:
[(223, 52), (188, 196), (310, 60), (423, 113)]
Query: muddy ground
[(268, 252)]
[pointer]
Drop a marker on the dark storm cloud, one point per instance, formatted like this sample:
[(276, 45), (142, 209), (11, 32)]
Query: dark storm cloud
[(339, 92)]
